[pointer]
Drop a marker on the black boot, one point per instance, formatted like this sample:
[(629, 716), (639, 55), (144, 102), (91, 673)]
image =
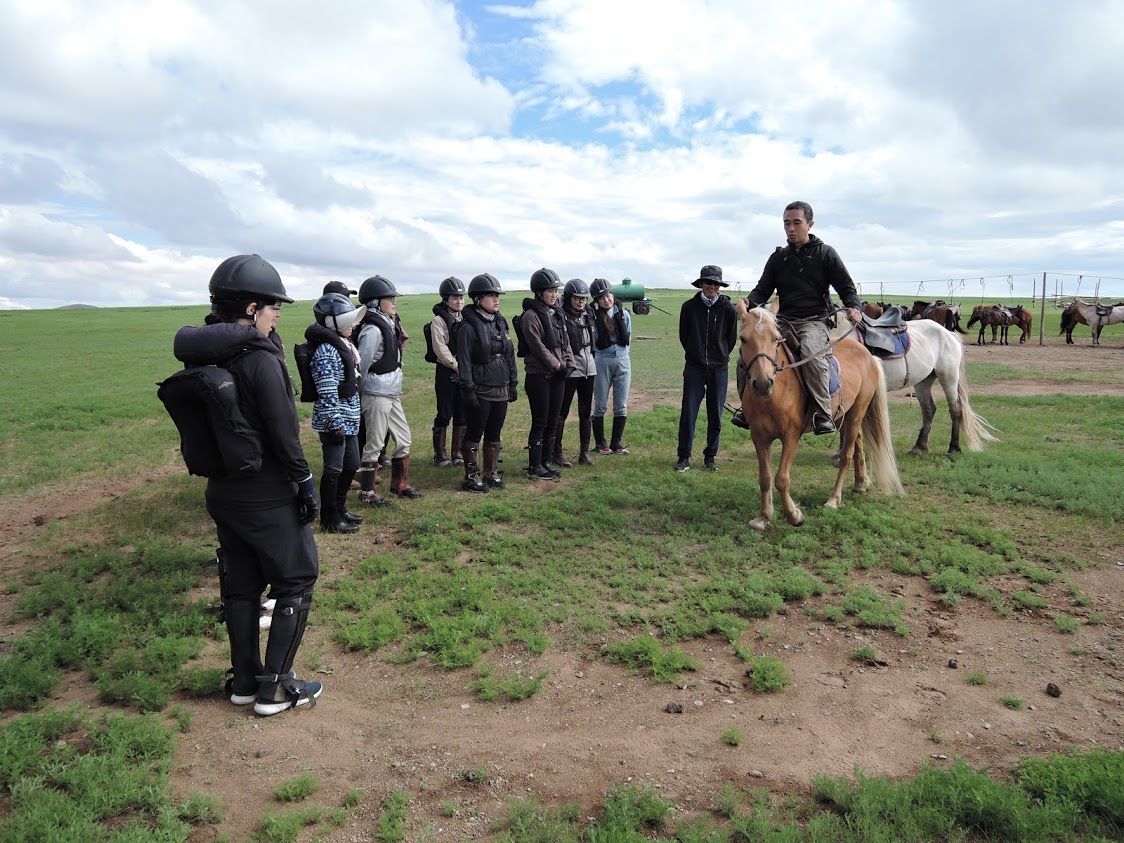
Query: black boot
[(535, 468), (243, 629), (472, 481), (367, 478), (342, 488), (559, 458), (547, 453), (440, 458), (616, 446), (599, 435), (280, 689), (584, 429), (330, 521)]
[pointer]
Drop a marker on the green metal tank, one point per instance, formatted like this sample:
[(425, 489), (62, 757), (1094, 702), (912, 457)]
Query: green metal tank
[(628, 290)]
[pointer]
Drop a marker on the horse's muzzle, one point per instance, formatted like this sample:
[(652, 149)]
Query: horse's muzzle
[(763, 387)]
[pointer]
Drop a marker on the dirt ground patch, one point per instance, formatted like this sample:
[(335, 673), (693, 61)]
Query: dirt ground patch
[(381, 727)]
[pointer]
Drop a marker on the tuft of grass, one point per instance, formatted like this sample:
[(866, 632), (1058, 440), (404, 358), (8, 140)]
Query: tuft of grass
[(391, 824), (733, 736), (644, 654), (1013, 703), (514, 688), (294, 790), (865, 655), (768, 675), (287, 827), (976, 679), (1066, 624)]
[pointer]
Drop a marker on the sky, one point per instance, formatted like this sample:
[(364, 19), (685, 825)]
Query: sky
[(954, 150)]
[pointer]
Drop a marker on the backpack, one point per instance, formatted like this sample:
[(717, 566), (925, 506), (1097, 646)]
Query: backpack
[(521, 344), (430, 354), (216, 440), (302, 353)]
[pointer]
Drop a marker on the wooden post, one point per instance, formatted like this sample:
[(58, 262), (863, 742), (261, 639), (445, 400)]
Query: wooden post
[(1042, 318)]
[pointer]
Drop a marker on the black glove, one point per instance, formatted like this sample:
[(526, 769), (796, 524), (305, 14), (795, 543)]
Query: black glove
[(569, 371), (512, 394), (334, 437), (471, 401), (307, 504)]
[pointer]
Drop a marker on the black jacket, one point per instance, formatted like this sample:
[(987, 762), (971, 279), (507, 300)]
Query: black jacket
[(485, 354), (803, 278), (708, 334), (267, 399)]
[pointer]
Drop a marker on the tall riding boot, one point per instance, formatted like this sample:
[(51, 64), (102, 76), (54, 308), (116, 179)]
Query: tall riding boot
[(599, 435), (535, 468), (584, 429), (492, 474), (400, 478), (558, 458), (367, 494), (616, 446), (458, 440), (472, 481), (243, 629), (342, 488), (440, 458), (330, 520), (547, 453), (280, 689)]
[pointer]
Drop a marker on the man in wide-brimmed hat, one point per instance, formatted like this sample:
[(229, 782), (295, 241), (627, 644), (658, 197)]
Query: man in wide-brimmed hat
[(708, 329)]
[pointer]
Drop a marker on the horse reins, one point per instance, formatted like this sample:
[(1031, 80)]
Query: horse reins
[(823, 352)]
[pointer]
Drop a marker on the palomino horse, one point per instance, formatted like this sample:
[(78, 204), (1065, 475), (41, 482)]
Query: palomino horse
[(940, 312), (1096, 317), (776, 406), (995, 316), (1021, 318)]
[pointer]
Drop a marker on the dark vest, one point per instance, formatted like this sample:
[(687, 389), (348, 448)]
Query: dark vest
[(453, 324), (390, 359), (580, 334), (604, 338), (546, 316)]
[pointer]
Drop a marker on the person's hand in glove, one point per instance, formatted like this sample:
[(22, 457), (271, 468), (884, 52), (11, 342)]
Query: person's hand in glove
[(471, 401), (307, 504), (512, 394)]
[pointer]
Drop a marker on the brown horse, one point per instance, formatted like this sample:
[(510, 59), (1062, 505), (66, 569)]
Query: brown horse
[(1021, 318), (776, 406), (940, 312), (1071, 318), (994, 315)]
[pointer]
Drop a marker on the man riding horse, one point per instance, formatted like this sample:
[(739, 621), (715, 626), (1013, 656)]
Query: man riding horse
[(802, 275)]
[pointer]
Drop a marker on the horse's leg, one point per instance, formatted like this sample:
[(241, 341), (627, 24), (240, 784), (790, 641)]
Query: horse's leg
[(765, 482), (980, 338), (784, 472), (862, 482), (924, 391), (846, 455), (1096, 332)]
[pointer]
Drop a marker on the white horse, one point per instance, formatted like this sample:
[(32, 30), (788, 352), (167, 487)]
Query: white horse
[(1096, 320), (935, 354)]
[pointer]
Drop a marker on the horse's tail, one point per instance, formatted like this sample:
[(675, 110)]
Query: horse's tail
[(1067, 315), (878, 444), (975, 429)]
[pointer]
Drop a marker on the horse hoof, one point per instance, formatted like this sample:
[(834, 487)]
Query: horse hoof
[(759, 524), (831, 504), (858, 490), (916, 452), (796, 519)]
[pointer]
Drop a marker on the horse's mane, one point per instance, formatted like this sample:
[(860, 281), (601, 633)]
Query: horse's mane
[(764, 316)]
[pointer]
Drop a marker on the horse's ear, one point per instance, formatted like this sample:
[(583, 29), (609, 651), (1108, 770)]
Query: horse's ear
[(774, 306), (740, 308)]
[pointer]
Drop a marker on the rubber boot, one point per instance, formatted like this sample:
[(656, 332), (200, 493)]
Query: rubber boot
[(584, 429), (492, 475), (472, 481), (458, 441), (616, 446), (330, 520), (547, 453), (599, 435), (440, 458), (367, 494), (400, 478), (280, 689), (244, 630), (342, 488), (558, 458), (535, 469)]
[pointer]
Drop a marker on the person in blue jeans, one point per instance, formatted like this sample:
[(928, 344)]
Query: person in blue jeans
[(708, 329), (612, 334)]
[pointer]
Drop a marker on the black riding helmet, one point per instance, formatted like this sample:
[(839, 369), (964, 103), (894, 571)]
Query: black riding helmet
[(483, 284), (376, 287), (545, 279), (599, 288), (576, 287), (247, 277), (451, 286)]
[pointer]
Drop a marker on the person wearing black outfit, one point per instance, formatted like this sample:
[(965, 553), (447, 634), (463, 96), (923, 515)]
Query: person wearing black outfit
[(549, 362), (443, 343), (708, 329), (579, 331), (262, 517), (802, 275), (487, 378)]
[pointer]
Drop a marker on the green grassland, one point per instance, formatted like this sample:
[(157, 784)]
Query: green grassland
[(115, 597)]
